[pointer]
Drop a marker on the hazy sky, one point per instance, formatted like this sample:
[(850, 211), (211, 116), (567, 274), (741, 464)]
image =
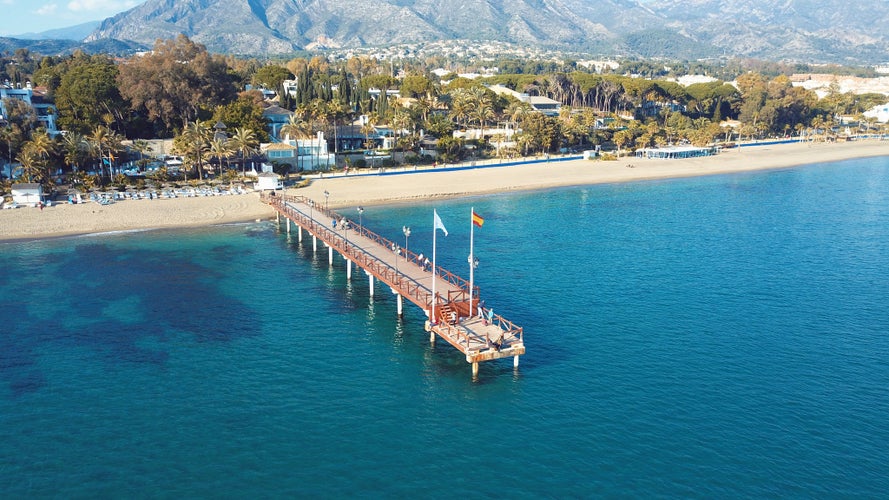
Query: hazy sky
[(35, 16)]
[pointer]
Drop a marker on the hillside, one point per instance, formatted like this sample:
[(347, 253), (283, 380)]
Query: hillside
[(804, 30), (63, 47)]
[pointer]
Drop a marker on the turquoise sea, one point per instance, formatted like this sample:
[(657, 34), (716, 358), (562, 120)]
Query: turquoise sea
[(715, 337)]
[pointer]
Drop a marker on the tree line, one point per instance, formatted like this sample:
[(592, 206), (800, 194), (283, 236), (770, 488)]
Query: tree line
[(180, 90)]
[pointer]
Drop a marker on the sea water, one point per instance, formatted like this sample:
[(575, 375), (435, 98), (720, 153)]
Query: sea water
[(714, 337)]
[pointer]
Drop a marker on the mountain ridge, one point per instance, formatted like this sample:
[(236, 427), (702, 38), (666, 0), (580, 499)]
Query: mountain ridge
[(804, 30)]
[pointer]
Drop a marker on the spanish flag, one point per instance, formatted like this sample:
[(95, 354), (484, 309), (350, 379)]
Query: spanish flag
[(477, 219)]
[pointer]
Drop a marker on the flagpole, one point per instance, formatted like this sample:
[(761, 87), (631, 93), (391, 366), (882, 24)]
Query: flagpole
[(434, 230), (471, 256)]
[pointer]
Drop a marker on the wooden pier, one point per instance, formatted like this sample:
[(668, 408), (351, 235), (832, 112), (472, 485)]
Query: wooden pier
[(456, 319)]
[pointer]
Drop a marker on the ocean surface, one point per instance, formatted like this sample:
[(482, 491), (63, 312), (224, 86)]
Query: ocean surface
[(717, 337)]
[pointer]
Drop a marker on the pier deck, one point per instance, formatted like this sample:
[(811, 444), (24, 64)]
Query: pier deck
[(408, 277)]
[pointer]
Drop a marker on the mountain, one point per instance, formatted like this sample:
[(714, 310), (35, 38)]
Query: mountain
[(822, 30), (64, 47), (78, 32), (807, 30)]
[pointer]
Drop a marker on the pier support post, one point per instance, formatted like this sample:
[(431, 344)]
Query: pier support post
[(299, 231), (370, 278), (515, 361), (398, 301), (288, 226), (475, 369), (432, 336), (314, 243), (348, 269), (330, 255), (277, 217)]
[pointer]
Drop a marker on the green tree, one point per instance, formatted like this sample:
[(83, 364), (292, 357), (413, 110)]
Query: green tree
[(175, 82), (416, 86), (87, 90), (220, 150), (245, 111), (296, 128), (244, 141), (271, 76), (76, 150), (194, 144), (105, 145)]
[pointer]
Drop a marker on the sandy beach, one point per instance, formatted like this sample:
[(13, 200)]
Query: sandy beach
[(61, 220)]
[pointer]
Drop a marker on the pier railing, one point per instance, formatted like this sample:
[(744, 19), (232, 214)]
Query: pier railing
[(419, 294), (408, 255), (490, 336)]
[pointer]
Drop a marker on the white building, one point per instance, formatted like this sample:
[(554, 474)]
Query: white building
[(305, 154), (268, 181), (545, 105), (881, 113), (27, 194), (46, 112)]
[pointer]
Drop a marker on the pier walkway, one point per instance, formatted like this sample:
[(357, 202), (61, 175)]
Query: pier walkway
[(456, 319)]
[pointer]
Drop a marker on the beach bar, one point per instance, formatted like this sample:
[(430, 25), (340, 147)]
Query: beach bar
[(451, 312)]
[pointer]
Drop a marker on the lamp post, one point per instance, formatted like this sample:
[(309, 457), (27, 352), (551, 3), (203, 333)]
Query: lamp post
[(326, 200), (407, 234), (360, 211)]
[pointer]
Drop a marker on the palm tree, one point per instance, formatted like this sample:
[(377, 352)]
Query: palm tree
[(461, 105), (104, 140), (219, 149), (244, 141), (76, 147), (297, 129), (518, 111), (32, 169), (483, 112), (525, 142), (425, 104), (622, 138), (142, 147), (196, 136), (7, 136), (368, 127), (42, 145)]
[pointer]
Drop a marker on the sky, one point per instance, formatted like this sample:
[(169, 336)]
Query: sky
[(35, 16)]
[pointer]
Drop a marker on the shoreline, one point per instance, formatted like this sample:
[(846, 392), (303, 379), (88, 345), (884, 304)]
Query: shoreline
[(25, 224), (346, 191), (64, 220)]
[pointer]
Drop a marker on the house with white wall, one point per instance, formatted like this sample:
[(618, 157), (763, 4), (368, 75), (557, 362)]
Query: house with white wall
[(880, 113), (34, 97)]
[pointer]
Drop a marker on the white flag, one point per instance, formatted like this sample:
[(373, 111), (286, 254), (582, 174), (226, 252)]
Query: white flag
[(438, 224)]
